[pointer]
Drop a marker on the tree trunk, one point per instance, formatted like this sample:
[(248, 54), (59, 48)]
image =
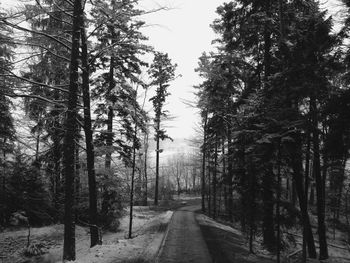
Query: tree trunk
[(140, 183), (340, 186), (347, 211), (109, 140), (3, 186), (307, 182), (157, 160), (319, 182), (251, 196), (294, 193), (230, 176), (268, 178), (69, 138), (203, 161), (77, 176), (90, 153), (312, 195), (296, 154), (145, 170), (37, 147), (57, 156), (278, 205), (209, 185), (132, 179), (224, 175), (268, 203), (215, 176), (243, 181)]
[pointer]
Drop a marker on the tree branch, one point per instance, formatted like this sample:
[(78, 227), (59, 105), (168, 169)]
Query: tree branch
[(11, 74), (52, 16), (39, 46), (35, 32), (14, 95)]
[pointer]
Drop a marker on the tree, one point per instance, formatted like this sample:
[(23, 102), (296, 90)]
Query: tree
[(48, 23), (90, 154), (162, 71), (260, 85), (70, 136), (7, 129), (27, 191), (136, 144), (117, 53)]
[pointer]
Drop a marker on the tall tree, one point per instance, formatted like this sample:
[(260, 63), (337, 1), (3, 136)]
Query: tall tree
[(162, 71), (70, 136), (49, 21), (255, 88), (117, 53), (7, 129), (90, 153)]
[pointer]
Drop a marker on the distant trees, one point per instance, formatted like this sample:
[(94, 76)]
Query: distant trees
[(271, 84), (181, 173)]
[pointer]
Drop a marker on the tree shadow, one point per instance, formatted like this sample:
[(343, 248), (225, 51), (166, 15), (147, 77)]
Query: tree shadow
[(226, 247)]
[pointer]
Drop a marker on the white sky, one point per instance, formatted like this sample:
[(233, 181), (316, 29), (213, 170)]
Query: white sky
[(184, 33)]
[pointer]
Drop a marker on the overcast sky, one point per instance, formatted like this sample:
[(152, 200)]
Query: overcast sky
[(184, 32)]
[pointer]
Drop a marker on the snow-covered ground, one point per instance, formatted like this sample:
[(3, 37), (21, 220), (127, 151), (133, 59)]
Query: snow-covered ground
[(148, 234), (339, 252), (207, 221), (148, 231)]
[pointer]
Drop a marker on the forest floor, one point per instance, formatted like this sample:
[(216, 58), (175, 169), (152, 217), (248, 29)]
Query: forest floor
[(225, 242), (228, 244), (149, 226)]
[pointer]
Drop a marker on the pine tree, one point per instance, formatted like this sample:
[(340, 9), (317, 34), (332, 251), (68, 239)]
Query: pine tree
[(267, 53), (90, 153), (70, 136), (161, 71), (50, 69), (117, 53), (7, 129)]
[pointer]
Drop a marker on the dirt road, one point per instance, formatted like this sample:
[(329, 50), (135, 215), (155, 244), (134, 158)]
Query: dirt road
[(184, 242)]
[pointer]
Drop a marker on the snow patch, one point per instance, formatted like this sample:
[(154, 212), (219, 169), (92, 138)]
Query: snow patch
[(207, 221), (144, 245), (148, 232)]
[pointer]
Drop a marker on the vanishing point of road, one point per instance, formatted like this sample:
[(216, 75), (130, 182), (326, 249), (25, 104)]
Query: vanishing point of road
[(184, 242)]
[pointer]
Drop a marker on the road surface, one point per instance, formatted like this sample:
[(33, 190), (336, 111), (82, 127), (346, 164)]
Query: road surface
[(184, 241)]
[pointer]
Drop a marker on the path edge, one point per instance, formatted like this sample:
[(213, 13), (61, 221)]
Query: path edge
[(162, 244)]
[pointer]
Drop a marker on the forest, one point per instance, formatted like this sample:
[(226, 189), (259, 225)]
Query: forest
[(274, 106), (80, 147)]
